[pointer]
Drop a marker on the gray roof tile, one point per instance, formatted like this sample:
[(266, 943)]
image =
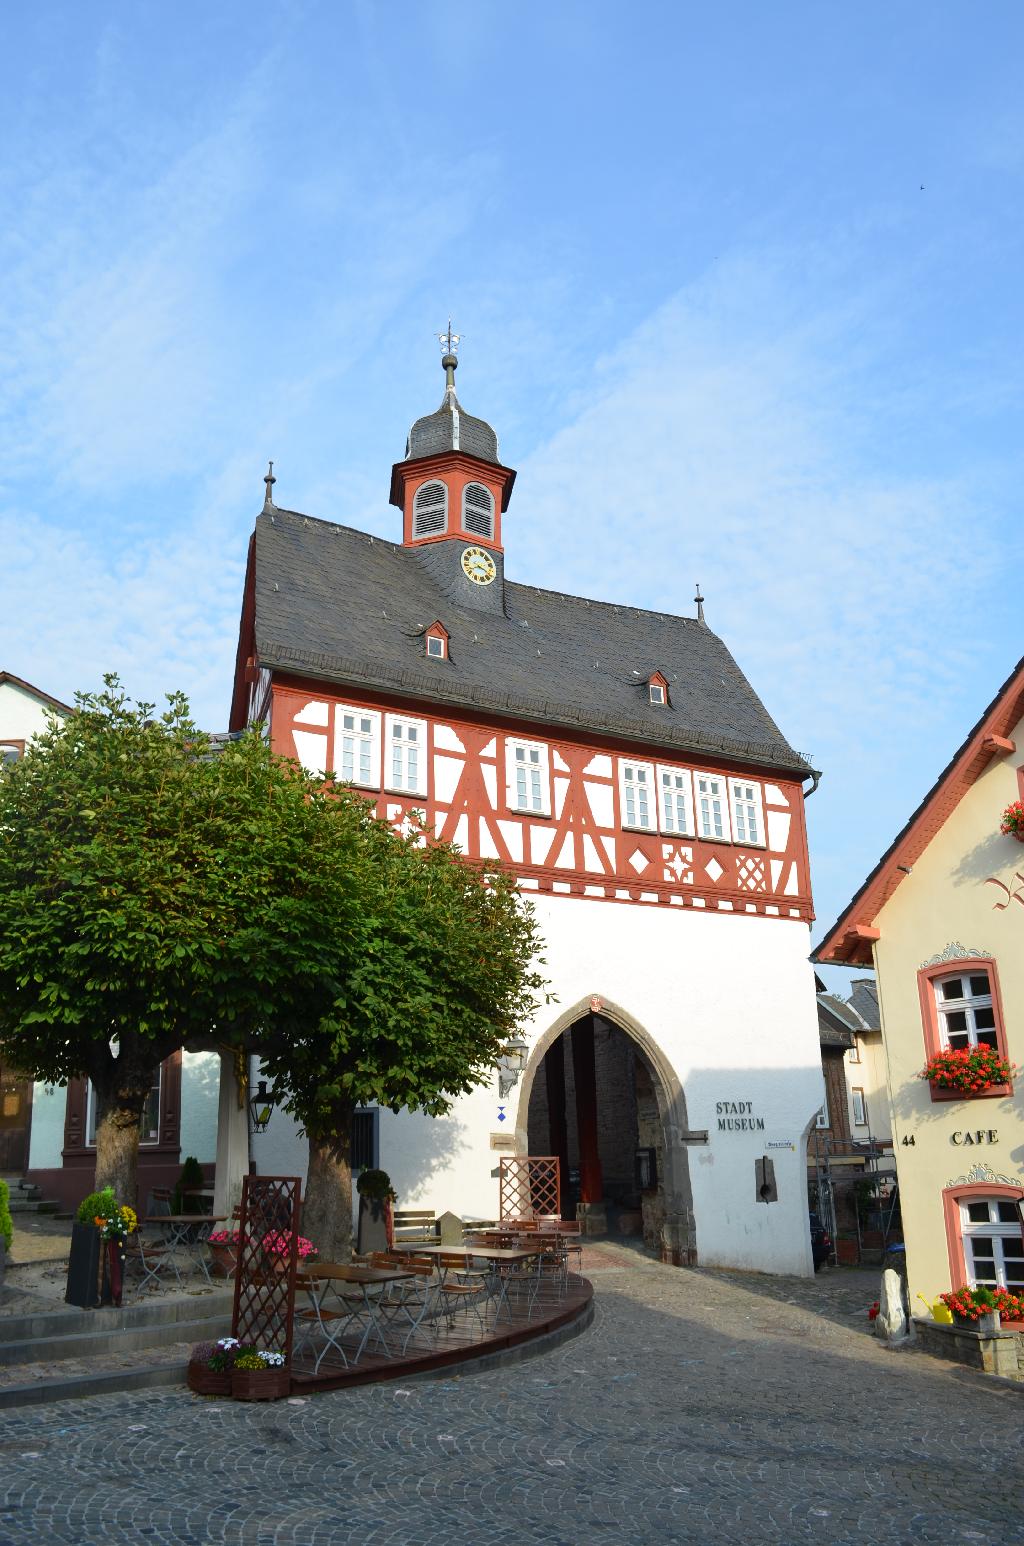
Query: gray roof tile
[(340, 604)]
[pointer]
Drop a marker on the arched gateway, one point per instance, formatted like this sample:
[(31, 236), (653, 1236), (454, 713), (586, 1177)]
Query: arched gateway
[(600, 1093)]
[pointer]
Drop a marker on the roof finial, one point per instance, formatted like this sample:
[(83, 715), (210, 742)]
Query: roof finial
[(269, 480), (699, 599), (449, 342)]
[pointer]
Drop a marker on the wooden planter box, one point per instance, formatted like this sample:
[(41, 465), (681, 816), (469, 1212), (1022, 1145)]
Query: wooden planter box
[(260, 1384), (208, 1382)]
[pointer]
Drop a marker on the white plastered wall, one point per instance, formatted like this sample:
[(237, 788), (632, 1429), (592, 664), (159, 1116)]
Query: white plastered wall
[(727, 1001)]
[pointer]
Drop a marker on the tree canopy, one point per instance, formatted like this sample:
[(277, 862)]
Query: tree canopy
[(160, 891)]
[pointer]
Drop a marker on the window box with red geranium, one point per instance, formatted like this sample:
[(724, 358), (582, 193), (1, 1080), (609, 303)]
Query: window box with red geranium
[(1012, 824), (964, 1030), (968, 1070)]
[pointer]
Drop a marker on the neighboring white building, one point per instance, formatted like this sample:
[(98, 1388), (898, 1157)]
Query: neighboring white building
[(619, 761)]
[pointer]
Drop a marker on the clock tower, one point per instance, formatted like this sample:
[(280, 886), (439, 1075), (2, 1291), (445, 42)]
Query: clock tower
[(453, 491)]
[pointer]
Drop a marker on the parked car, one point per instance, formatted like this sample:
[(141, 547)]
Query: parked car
[(821, 1241)]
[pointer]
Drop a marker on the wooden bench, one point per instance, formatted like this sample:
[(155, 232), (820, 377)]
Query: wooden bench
[(417, 1226)]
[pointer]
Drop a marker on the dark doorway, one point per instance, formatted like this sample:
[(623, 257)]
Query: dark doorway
[(15, 1117), (593, 1104)]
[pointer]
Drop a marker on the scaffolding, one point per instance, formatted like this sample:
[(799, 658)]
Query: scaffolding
[(834, 1168)]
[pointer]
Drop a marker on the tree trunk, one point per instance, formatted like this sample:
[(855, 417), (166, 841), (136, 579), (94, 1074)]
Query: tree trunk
[(327, 1210), (117, 1143)]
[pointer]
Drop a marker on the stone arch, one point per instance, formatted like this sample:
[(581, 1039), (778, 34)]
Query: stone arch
[(678, 1233)]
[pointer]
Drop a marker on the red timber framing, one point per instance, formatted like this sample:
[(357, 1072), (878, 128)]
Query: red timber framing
[(580, 846), (851, 937)]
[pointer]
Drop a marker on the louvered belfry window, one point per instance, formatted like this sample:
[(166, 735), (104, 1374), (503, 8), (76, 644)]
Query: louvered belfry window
[(430, 510), (478, 510)]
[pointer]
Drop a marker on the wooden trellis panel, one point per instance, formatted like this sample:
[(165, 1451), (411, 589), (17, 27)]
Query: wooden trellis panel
[(264, 1308), (529, 1185)]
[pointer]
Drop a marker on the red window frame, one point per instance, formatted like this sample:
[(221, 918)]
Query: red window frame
[(926, 980), (952, 1197)]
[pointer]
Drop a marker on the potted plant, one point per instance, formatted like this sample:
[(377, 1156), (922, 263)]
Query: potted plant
[(210, 1365), (968, 1070), (376, 1194), (977, 1308), (223, 1245), (277, 1247), (259, 1376), (95, 1266), (1012, 824)]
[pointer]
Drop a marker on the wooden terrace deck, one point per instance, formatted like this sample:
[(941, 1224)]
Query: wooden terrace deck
[(441, 1349)]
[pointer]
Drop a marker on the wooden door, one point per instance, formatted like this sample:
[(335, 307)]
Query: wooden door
[(15, 1116)]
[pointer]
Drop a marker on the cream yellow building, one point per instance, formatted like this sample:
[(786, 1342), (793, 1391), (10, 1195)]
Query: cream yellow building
[(941, 918)]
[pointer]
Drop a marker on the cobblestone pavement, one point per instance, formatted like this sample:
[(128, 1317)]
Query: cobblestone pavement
[(700, 1407)]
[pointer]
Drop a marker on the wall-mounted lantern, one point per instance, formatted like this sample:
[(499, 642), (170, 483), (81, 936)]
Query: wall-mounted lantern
[(513, 1061), (261, 1104)]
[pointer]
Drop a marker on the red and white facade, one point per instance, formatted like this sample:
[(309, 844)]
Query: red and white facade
[(672, 889)]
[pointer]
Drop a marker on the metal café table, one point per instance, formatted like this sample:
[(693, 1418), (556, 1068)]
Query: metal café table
[(324, 1284), (496, 1257), (190, 1231)]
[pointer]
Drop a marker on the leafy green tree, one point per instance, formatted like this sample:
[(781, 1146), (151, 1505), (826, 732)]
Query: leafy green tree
[(158, 893)]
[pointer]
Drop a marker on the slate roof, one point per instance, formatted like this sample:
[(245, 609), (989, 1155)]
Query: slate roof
[(451, 429), (339, 604)]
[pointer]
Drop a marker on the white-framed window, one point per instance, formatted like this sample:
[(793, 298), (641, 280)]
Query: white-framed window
[(430, 509), (675, 800), (405, 753), (357, 746), (526, 772), (437, 647), (993, 1245), (149, 1122), (747, 826), (637, 793), (860, 1110), (478, 510), (712, 814), (966, 1014)]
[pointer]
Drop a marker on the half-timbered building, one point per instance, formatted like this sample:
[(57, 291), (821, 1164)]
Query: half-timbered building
[(621, 764)]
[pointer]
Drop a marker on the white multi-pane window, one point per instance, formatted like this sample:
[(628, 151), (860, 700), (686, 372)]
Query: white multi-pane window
[(357, 746), (675, 800), (747, 826), (860, 1110), (405, 755), (967, 1017), (637, 792), (993, 1246), (527, 777), (712, 815)]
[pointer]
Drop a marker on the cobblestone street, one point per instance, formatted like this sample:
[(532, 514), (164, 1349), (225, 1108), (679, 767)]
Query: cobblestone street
[(699, 1407)]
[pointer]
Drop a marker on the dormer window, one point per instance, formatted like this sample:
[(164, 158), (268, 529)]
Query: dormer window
[(478, 510), (657, 690), (430, 510), (437, 642)]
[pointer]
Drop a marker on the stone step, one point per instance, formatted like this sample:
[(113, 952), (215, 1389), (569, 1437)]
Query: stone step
[(47, 1325), (92, 1344)]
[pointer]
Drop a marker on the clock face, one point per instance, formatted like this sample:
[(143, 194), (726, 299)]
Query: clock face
[(478, 566)]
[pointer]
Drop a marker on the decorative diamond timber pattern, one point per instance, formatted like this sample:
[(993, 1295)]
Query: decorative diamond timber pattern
[(264, 1307), (529, 1186), (750, 873)]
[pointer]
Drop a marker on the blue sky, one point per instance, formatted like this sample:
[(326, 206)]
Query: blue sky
[(739, 288)]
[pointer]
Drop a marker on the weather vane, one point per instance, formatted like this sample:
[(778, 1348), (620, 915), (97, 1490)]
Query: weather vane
[(449, 341)]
